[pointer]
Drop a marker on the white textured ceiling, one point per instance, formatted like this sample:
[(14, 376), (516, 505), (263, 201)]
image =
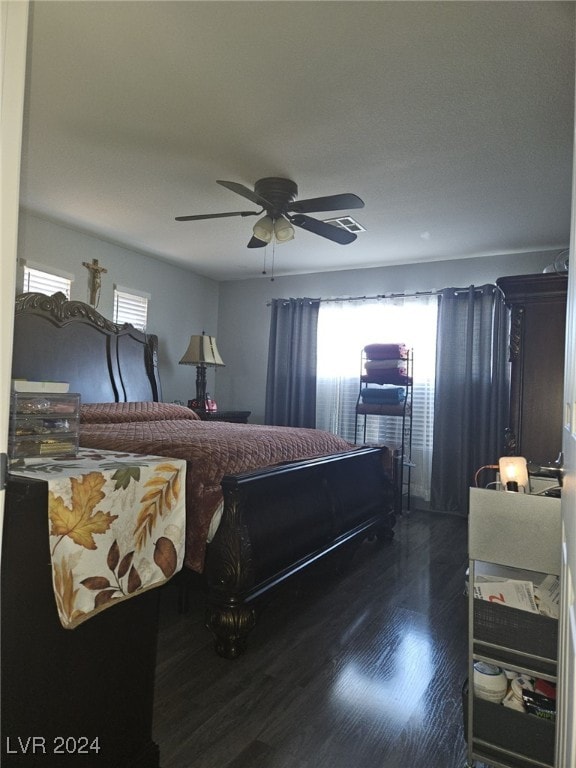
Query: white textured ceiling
[(452, 120)]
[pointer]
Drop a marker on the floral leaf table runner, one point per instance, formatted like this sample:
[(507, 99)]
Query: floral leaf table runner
[(116, 526)]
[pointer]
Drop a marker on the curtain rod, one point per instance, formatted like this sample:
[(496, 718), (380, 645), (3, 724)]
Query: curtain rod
[(382, 296), (377, 296), (414, 295)]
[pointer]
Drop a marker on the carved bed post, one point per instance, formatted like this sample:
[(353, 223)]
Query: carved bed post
[(230, 574)]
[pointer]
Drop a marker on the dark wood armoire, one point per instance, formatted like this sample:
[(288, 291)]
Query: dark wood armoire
[(537, 306)]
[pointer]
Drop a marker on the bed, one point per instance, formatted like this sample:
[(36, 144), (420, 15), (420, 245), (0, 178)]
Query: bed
[(262, 502)]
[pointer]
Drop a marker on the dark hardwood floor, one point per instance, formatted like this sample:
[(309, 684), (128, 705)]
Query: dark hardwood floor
[(357, 668)]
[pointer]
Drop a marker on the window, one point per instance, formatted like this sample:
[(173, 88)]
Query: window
[(40, 281), (130, 307), (344, 329)]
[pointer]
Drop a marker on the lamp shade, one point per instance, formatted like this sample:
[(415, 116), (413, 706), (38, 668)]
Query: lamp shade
[(264, 229), (283, 230), (513, 472), (202, 350)]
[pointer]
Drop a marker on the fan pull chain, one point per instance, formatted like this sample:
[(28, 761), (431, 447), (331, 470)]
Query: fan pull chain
[(264, 272)]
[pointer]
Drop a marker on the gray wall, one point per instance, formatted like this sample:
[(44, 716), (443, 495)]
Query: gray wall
[(244, 317), (237, 312), (182, 303)]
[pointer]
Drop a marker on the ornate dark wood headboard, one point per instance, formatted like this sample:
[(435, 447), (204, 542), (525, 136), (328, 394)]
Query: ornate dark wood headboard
[(60, 340)]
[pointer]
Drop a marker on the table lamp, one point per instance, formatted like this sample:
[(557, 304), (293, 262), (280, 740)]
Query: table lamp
[(513, 472), (202, 352)]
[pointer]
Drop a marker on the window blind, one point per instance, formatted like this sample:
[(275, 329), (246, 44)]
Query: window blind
[(39, 281), (130, 308), (344, 329)]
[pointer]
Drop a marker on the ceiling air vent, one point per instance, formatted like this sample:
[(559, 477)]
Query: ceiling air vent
[(346, 222)]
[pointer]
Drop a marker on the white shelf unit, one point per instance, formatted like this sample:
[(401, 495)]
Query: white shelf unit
[(521, 531)]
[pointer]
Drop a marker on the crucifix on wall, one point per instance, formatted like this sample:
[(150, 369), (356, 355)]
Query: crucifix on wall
[(95, 280)]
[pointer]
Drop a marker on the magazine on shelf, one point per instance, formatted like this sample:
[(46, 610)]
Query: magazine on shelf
[(534, 592)]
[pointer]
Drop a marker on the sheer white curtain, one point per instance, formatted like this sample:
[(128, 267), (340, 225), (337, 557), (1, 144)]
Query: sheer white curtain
[(344, 329)]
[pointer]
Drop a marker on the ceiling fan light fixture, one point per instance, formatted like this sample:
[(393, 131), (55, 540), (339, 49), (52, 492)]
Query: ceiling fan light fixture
[(277, 198), (283, 230), (264, 229)]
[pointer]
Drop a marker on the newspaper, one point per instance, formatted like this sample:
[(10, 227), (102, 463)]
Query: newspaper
[(542, 597), (548, 596), (513, 593)]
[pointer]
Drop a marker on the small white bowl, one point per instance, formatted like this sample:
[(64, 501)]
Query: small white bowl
[(490, 682)]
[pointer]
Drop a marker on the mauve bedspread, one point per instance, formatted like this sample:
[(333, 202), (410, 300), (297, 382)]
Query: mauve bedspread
[(211, 449)]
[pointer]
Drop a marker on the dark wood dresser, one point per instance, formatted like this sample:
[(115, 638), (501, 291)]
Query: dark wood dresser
[(537, 306), (81, 697)]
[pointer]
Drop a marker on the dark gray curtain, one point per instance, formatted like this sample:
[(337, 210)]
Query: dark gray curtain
[(291, 379), (472, 391)]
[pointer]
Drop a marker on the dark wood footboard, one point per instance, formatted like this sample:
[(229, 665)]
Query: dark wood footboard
[(279, 520)]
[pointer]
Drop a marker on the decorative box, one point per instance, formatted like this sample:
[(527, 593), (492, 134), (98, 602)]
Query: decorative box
[(43, 425)]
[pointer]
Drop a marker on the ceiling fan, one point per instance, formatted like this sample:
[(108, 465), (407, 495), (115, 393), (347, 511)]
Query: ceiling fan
[(277, 199)]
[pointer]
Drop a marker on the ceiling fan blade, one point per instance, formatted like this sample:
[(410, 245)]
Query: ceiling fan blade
[(256, 243), (240, 189), (329, 203), (217, 215), (329, 231)]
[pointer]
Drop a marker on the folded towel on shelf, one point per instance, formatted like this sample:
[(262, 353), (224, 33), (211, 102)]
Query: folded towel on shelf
[(386, 351), (383, 395), (384, 367), (390, 376)]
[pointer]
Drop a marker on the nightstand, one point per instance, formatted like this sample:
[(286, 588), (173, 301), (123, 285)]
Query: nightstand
[(237, 417)]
